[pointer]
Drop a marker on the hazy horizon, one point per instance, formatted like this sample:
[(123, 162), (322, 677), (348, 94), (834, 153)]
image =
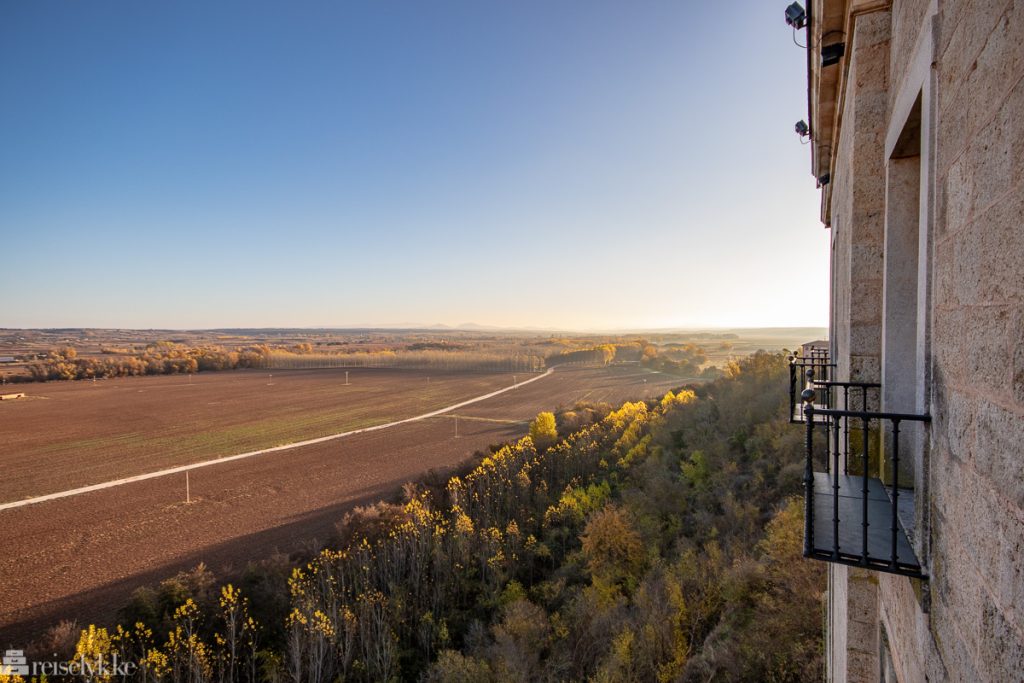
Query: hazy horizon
[(585, 166), (463, 327)]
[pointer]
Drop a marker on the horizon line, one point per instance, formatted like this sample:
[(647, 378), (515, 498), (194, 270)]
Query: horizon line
[(437, 327)]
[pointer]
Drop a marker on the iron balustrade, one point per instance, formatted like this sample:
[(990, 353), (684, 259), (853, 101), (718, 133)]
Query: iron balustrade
[(864, 529), (804, 372), (844, 388)]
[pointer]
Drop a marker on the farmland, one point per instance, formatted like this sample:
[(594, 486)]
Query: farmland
[(80, 556), (84, 554), (69, 434)]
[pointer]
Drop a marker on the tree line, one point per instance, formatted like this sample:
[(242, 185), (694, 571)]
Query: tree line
[(602, 354), (687, 360), (453, 360), (169, 358), (160, 358)]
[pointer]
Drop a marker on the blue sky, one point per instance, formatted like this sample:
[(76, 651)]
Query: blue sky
[(571, 164)]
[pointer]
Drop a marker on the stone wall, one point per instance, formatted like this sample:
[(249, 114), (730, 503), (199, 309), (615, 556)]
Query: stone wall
[(907, 19), (858, 204), (854, 643), (967, 621), (977, 455), (858, 219)]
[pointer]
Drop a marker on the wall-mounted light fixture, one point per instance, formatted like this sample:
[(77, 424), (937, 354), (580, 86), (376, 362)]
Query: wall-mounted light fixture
[(831, 54), (796, 16), (824, 179), (801, 128)]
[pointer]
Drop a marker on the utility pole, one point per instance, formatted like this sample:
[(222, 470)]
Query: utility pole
[(456, 426), (188, 490)]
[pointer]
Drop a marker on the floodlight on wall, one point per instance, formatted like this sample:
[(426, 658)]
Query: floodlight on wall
[(803, 130), (831, 54), (796, 16), (824, 179)]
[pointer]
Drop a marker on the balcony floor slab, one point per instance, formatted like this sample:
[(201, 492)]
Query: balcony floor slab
[(850, 523)]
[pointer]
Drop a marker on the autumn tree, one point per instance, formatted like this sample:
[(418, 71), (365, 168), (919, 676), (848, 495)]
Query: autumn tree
[(613, 549), (543, 431)]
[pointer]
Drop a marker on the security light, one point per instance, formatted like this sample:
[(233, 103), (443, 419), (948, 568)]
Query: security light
[(830, 54), (801, 128), (796, 16)]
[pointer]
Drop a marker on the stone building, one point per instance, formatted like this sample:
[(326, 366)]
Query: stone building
[(915, 481)]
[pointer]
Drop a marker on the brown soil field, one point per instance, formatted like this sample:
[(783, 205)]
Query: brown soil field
[(80, 557), (69, 434)]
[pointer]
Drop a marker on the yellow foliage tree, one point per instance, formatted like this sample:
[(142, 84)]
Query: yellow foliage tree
[(93, 651), (682, 398), (613, 549), (543, 431)]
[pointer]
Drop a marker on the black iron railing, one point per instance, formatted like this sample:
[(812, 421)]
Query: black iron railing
[(854, 519), (838, 395), (806, 371)]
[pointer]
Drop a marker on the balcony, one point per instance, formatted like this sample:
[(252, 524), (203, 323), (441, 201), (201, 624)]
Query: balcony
[(855, 507), (809, 368)]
